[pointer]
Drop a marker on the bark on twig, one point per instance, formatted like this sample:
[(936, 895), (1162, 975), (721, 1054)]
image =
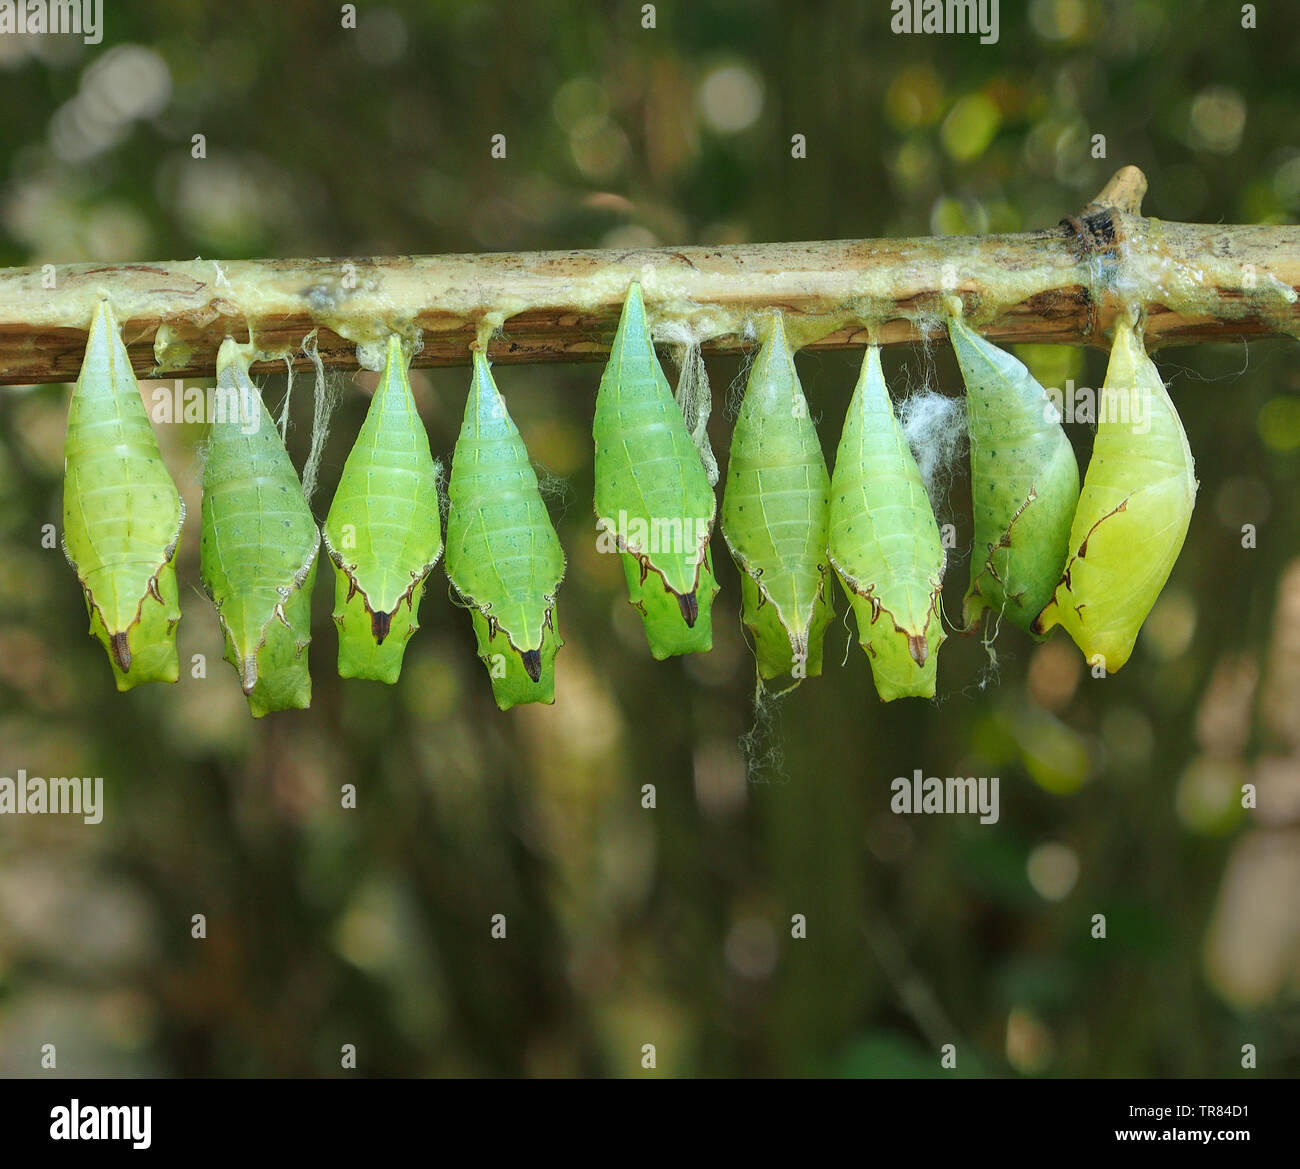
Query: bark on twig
[(1195, 282)]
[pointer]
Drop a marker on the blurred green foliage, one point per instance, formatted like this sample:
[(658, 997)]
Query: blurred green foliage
[(670, 926)]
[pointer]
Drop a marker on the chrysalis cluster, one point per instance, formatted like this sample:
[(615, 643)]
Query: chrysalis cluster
[(1044, 552)]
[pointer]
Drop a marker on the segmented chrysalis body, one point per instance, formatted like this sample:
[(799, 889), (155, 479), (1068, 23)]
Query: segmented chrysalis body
[(1133, 512), (122, 514), (776, 516), (258, 555), (1024, 483), (383, 533), (654, 504), (503, 555), (884, 542)]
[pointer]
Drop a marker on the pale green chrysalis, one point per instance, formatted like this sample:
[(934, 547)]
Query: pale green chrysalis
[(1024, 483), (776, 516), (383, 533), (259, 545), (884, 542), (654, 504), (1133, 512), (503, 556), (122, 514)]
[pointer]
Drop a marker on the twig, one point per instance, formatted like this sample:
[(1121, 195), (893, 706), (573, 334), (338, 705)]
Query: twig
[(1196, 283)]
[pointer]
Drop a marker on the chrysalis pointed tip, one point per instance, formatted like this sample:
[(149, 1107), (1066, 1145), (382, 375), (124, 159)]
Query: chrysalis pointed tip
[(103, 318), (633, 304), (121, 651)]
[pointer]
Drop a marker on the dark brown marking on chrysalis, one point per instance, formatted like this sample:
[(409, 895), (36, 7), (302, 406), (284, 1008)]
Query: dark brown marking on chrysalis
[(689, 606), (379, 626), (1083, 548), (532, 659), (1036, 625), (918, 644), (121, 651), (1004, 541)]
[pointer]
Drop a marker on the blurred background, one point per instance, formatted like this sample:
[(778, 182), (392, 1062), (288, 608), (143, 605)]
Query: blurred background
[(671, 926)]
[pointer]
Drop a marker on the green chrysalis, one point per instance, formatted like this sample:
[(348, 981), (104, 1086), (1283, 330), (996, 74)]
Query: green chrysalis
[(503, 556), (1024, 483), (384, 531), (776, 516), (258, 555), (122, 514), (1133, 513), (654, 504), (884, 542)]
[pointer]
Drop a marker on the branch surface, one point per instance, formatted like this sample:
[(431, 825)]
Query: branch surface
[(1065, 285)]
